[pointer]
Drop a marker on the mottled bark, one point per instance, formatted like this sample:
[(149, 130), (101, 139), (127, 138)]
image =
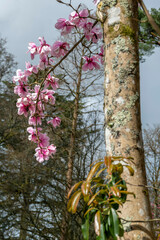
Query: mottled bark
[(122, 106), (65, 221)]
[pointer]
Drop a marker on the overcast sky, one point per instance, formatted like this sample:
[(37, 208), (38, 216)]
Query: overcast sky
[(23, 21)]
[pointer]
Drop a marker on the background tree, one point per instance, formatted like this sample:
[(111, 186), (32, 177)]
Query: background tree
[(33, 197), (148, 38), (152, 159), (79, 87)]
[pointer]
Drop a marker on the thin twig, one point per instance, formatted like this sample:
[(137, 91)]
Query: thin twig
[(143, 186), (141, 221)]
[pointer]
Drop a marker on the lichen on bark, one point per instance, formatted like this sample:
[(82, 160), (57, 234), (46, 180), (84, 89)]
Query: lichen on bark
[(108, 3), (121, 30), (132, 100), (121, 118), (126, 7), (120, 45), (114, 63)]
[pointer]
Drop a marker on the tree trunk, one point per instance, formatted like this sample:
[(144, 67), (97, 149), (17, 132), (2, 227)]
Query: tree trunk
[(122, 107)]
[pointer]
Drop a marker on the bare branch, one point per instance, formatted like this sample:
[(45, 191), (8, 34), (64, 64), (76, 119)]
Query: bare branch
[(140, 221), (145, 186)]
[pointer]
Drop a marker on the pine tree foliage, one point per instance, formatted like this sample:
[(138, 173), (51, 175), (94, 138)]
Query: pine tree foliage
[(148, 38)]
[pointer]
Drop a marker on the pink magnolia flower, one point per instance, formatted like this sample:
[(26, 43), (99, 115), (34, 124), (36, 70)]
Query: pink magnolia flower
[(95, 34), (84, 13), (55, 121), (36, 136), (35, 93), (20, 77), (42, 41), (45, 50), (87, 26), (43, 154), (51, 81), (38, 105), (25, 105), (43, 140), (101, 55), (76, 18), (23, 109), (33, 49), (35, 120), (48, 96), (21, 90), (59, 49), (43, 62), (40, 94), (51, 149), (33, 134), (91, 63), (40, 108), (30, 69), (65, 26), (96, 1)]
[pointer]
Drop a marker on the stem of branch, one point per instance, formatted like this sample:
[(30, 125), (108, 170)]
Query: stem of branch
[(141, 221), (143, 186)]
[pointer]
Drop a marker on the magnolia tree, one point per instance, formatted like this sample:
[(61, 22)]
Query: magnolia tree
[(36, 86), (35, 95)]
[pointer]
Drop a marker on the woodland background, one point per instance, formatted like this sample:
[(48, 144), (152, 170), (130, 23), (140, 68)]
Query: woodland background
[(32, 202)]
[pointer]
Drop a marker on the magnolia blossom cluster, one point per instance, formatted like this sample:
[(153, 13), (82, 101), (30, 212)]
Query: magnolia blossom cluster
[(31, 103), (81, 20), (33, 97)]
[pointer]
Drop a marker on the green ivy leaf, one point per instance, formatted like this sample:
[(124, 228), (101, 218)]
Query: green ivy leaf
[(93, 171), (85, 227), (121, 230), (102, 232), (131, 170), (97, 223), (109, 220), (74, 188), (73, 202), (115, 222), (107, 227)]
